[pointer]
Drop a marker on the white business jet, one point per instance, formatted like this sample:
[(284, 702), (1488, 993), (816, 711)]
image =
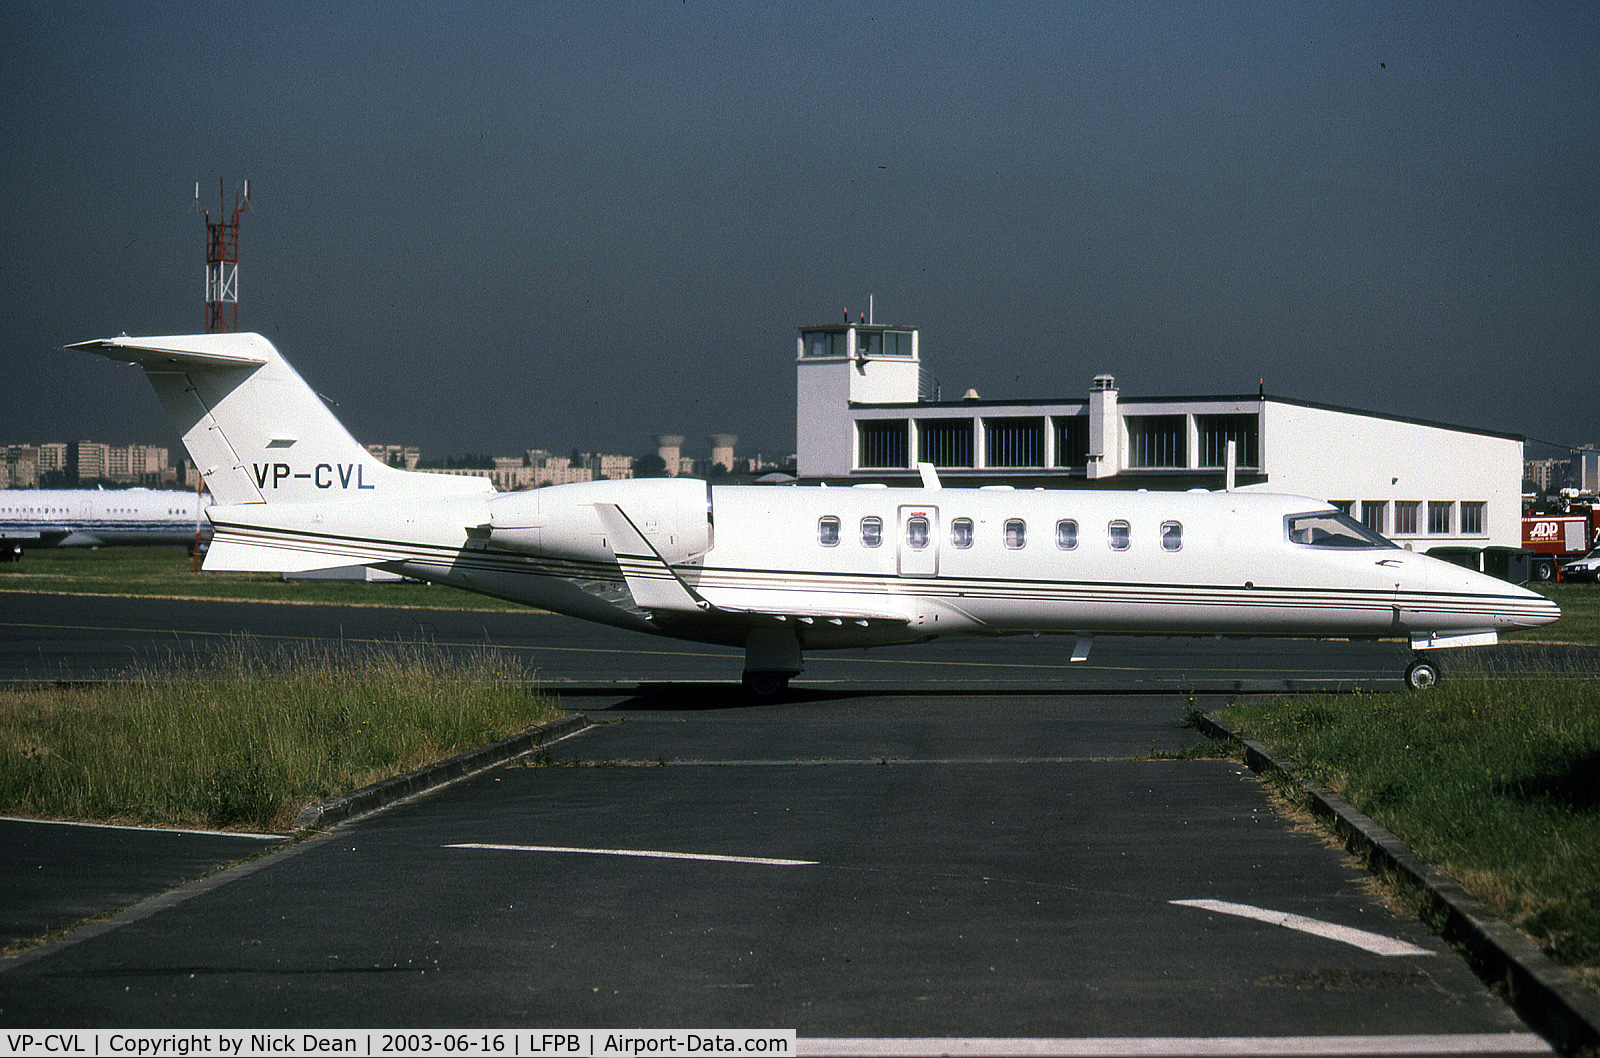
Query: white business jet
[(779, 571)]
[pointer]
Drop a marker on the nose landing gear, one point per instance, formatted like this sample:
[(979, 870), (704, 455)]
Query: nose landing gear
[(1421, 674)]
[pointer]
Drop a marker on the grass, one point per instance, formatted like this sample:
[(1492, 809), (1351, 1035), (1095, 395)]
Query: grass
[(168, 572), (248, 740), (1580, 616), (1497, 782)]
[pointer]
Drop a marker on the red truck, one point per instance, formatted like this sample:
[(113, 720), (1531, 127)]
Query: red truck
[(1556, 539)]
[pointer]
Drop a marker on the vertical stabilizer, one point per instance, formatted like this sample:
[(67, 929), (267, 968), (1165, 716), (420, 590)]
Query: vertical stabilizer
[(257, 432)]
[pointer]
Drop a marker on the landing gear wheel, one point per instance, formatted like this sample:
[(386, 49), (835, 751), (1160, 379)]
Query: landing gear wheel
[(766, 684), (1421, 674)]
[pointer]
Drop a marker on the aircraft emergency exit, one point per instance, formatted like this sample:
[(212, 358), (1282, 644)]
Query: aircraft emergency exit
[(782, 570)]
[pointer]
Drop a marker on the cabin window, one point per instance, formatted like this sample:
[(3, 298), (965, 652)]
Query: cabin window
[(1016, 533), (1472, 518), (961, 533), (917, 532), (1172, 536), (872, 531), (1120, 533), (1067, 534), (1332, 529), (828, 531)]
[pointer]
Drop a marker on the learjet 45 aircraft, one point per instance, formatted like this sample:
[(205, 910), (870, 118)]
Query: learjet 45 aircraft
[(779, 571)]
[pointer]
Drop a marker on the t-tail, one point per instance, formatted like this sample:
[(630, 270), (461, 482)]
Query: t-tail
[(256, 431)]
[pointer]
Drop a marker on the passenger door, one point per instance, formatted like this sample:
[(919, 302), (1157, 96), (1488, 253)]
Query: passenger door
[(918, 541)]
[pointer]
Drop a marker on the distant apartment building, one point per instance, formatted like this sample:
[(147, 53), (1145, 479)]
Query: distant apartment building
[(57, 463), (406, 457), (21, 468)]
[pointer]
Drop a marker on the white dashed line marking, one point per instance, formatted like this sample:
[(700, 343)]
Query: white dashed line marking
[(1376, 943), (650, 854)]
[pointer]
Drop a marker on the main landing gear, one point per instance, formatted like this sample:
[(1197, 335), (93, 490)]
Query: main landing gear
[(765, 684), (771, 659), (1421, 674)]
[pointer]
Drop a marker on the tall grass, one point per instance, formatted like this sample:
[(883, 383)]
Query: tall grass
[(1497, 781), (247, 740)]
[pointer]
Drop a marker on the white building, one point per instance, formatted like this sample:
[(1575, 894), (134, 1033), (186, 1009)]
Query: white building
[(863, 415)]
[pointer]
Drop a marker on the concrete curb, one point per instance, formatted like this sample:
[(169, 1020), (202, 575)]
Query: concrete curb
[(1549, 999), (319, 815)]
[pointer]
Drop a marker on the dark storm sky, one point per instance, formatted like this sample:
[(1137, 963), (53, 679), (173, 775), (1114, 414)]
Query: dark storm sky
[(488, 227)]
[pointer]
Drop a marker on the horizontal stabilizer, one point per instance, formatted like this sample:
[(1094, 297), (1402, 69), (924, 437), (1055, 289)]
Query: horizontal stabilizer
[(183, 350)]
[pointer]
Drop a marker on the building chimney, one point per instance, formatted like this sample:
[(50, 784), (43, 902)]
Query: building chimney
[(1105, 429)]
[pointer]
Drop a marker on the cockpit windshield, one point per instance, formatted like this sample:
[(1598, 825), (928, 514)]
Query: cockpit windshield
[(1332, 529)]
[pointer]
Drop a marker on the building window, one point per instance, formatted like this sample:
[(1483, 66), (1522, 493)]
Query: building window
[(897, 343), (1472, 518), (828, 531), (1405, 517), (1016, 533), (872, 531), (1439, 512), (883, 443), (1344, 505), (1373, 514), (1013, 442), (1158, 441), (1072, 440), (1120, 534), (945, 442), (1171, 536), (824, 343), (1217, 430), (1067, 534), (917, 532), (961, 533)]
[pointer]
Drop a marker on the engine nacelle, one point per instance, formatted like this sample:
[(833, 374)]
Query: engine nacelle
[(559, 521)]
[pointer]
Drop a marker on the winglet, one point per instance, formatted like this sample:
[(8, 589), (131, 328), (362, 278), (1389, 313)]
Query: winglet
[(930, 477), (652, 582)]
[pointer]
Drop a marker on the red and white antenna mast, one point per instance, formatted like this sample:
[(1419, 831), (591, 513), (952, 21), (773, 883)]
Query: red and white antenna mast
[(222, 259)]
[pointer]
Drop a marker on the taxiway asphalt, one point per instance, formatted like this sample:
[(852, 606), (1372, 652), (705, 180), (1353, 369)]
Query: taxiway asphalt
[(54, 637), (859, 862)]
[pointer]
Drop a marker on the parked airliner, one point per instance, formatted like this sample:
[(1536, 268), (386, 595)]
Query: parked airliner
[(96, 517), (778, 571)]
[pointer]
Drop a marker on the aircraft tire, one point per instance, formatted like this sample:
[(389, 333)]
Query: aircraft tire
[(765, 684), (1421, 674)]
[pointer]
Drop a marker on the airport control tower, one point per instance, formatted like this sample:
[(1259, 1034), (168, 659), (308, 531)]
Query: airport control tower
[(849, 363)]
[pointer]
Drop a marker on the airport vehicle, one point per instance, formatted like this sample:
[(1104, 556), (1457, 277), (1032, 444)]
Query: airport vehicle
[(96, 518), (1559, 539), (1585, 568), (782, 570)]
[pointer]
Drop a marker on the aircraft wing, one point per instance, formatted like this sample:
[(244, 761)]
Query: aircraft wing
[(658, 588)]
